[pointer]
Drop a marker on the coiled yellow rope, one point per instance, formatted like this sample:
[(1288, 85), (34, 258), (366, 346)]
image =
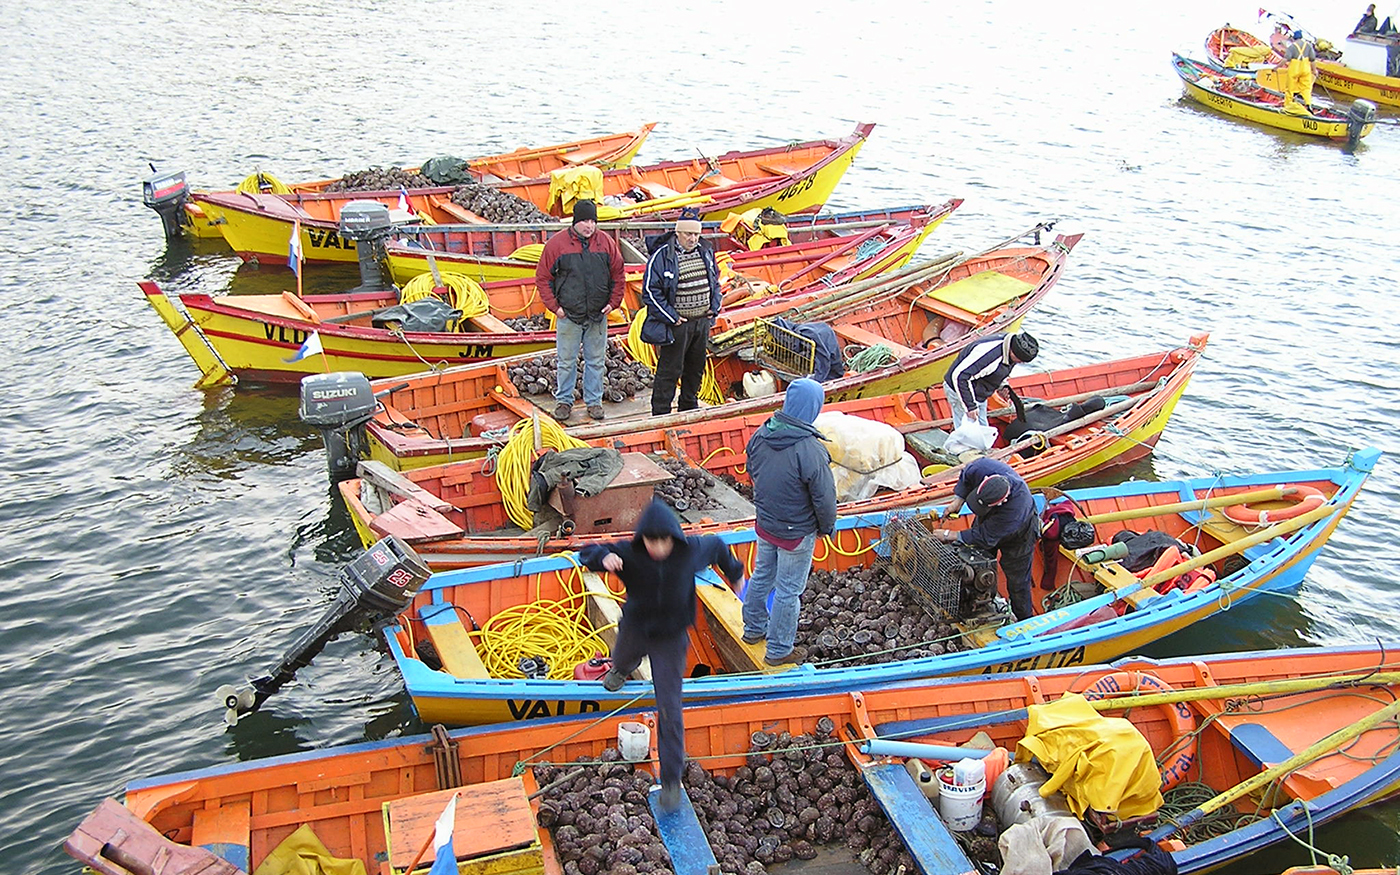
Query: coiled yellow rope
[(559, 631), (467, 295), (263, 183), (514, 461), (646, 354)]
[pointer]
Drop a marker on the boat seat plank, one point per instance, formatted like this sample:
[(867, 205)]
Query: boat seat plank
[(386, 478), (493, 818), (682, 835), (781, 167), (657, 190), (603, 611), (454, 645), (1259, 744), (489, 323), (724, 611), (412, 520), (460, 214), (856, 334), (931, 844), (582, 156), (982, 292), (225, 831), (717, 180)]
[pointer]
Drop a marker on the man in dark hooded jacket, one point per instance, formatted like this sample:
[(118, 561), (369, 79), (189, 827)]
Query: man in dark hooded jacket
[(795, 496), (658, 568), (1006, 523)]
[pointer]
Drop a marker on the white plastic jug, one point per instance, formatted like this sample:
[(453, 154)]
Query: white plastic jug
[(969, 771), (923, 776), (759, 383), (633, 741)]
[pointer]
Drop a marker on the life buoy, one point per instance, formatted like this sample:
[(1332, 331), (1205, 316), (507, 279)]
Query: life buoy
[(1304, 498), (1178, 715)]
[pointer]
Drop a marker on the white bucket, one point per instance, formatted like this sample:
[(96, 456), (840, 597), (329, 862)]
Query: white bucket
[(633, 741), (960, 806)]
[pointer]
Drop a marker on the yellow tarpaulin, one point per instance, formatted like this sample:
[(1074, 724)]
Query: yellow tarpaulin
[(1243, 56), (301, 853), (569, 184), (983, 291), (1098, 762)]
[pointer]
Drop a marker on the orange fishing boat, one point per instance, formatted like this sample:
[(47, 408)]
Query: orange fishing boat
[(792, 179), (773, 777), (460, 514)]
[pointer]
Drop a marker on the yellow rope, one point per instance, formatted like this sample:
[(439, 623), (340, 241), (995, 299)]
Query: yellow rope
[(515, 458), (263, 183), (646, 354), (467, 294)]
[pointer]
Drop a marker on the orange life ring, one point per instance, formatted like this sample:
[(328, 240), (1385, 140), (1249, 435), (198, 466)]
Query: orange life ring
[(1304, 498), (1178, 715)]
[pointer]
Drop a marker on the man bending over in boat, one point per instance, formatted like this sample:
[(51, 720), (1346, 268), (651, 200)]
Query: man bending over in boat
[(981, 369), (1006, 522), (658, 568)]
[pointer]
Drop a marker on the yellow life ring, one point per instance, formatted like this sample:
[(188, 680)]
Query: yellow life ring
[(1178, 715)]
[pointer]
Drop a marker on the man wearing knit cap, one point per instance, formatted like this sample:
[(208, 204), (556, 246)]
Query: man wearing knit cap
[(681, 293), (795, 498), (1006, 522), (981, 369), (580, 281)]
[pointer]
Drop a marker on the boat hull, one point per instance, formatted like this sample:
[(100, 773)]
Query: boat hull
[(1207, 93), (1358, 84)]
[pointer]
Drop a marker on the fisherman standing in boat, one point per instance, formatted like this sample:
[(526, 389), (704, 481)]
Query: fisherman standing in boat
[(794, 496), (580, 280), (981, 369), (658, 568), (681, 292), (1006, 523), (1300, 62)]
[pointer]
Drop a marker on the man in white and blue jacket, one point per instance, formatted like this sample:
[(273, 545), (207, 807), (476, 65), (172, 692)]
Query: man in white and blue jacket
[(980, 369), (682, 297)]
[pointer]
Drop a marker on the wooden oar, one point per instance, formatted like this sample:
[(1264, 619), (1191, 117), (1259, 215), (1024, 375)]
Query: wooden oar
[(1271, 494), (1129, 389), (1302, 758)]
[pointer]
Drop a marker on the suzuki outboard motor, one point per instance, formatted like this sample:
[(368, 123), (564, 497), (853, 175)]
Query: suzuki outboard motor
[(379, 584), (368, 224), (339, 404), (1361, 114), (167, 193)]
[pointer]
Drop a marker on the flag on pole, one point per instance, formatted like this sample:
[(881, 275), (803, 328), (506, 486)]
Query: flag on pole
[(444, 859), (403, 200), (294, 254), (309, 347)]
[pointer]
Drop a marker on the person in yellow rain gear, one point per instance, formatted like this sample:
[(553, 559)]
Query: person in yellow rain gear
[(1300, 64)]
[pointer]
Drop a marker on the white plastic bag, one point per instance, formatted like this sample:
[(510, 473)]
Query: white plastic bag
[(860, 444), (971, 435), (855, 486)]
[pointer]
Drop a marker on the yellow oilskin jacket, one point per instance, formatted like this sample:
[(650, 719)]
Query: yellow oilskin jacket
[(1098, 762)]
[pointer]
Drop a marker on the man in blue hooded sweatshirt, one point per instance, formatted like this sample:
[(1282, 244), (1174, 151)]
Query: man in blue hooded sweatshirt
[(658, 568), (795, 496)]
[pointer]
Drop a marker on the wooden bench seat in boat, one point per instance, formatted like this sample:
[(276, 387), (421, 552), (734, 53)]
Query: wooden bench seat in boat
[(487, 322), (724, 612), (284, 306), (414, 521), (454, 645), (459, 213), (582, 156), (1258, 744), (777, 165), (494, 829), (225, 831), (981, 292), (929, 841), (656, 190), (684, 838), (604, 611), (855, 334), (716, 180)]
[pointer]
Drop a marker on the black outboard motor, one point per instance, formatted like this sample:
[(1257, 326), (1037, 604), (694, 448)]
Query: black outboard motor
[(167, 193), (339, 404), (1361, 114), (368, 224), (380, 583)]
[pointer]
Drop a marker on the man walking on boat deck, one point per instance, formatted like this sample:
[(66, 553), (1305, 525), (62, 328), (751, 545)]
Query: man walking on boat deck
[(658, 568), (794, 495), (580, 280), (981, 369), (1006, 522), (1300, 72), (681, 292)]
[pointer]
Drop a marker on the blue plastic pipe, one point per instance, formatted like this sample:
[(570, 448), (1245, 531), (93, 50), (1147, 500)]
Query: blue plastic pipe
[(941, 752)]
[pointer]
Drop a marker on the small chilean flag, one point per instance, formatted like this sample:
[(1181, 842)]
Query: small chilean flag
[(294, 254), (444, 860), (404, 203)]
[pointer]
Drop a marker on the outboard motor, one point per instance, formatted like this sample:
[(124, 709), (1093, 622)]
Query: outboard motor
[(380, 583), (368, 224), (339, 404), (1361, 114), (167, 193)]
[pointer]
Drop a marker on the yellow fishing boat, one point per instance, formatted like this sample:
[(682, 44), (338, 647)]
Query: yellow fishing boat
[(792, 179)]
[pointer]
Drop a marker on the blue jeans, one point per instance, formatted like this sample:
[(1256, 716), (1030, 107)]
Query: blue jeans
[(783, 573), (593, 337), (960, 410)]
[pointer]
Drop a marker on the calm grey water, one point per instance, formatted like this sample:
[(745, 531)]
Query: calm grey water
[(159, 541)]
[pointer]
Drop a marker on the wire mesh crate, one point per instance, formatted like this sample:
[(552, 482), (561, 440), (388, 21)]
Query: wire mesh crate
[(949, 580), (783, 350)]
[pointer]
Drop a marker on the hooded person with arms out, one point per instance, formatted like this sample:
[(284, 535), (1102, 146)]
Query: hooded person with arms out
[(658, 568), (795, 498), (1007, 523)]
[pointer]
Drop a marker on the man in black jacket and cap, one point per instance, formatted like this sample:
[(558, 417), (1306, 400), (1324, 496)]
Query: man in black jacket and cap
[(1006, 522), (658, 568)]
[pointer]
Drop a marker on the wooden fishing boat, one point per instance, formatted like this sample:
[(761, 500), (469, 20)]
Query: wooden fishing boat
[(252, 337), (878, 606), (608, 151), (1367, 68), (1224, 40), (924, 315), (793, 179), (1324, 745), (1244, 98), (487, 253)]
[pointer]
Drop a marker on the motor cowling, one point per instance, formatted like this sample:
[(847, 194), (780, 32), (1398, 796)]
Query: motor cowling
[(339, 404), (167, 194), (368, 224), (1361, 114)]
